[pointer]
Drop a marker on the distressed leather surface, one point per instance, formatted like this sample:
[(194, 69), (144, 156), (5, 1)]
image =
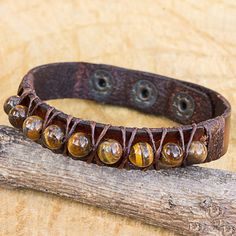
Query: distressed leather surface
[(211, 112), (189, 40), (73, 81)]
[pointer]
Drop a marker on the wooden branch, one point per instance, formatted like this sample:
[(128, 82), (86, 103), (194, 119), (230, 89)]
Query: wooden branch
[(190, 201)]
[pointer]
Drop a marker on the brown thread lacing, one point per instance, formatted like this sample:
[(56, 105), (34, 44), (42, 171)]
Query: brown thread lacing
[(181, 134), (26, 93), (189, 143), (69, 131), (158, 152), (123, 135), (123, 132), (126, 151), (31, 108), (35, 107), (149, 132), (95, 144), (68, 121), (30, 105), (48, 119), (47, 115)]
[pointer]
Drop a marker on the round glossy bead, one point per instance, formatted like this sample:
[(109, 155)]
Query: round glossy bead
[(141, 154), (197, 153), (109, 151), (172, 155), (32, 127), (79, 145), (17, 115), (10, 103), (53, 137)]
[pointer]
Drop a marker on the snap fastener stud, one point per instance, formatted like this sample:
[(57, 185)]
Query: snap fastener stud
[(144, 93), (183, 106), (101, 81)]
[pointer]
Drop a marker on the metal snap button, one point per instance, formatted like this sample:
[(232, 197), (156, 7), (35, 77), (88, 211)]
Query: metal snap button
[(144, 93), (183, 106), (101, 81)]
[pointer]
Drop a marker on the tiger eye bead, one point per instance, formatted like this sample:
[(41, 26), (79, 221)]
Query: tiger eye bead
[(141, 154), (53, 137), (109, 151), (32, 127), (79, 145), (172, 155), (17, 115), (10, 103), (197, 153)]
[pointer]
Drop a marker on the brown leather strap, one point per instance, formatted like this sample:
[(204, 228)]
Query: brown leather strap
[(203, 112)]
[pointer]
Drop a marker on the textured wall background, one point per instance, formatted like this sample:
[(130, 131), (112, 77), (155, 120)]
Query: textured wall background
[(189, 40)]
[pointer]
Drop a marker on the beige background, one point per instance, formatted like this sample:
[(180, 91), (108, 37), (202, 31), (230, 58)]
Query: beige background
[(189, 40)]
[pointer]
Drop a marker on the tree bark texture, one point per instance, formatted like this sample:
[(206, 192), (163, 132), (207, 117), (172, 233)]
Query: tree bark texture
[(189, 201)]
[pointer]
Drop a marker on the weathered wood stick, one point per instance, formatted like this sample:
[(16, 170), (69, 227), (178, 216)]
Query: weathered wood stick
[(190, 201)]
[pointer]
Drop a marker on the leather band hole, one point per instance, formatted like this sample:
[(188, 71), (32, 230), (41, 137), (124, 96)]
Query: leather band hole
[(102, 83), (144, 93), (183, 106)]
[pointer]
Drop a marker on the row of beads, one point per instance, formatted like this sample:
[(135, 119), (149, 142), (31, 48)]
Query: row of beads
[(109, 151)]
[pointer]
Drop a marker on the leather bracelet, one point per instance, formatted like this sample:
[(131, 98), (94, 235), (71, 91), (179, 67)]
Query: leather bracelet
[(203, 113)]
